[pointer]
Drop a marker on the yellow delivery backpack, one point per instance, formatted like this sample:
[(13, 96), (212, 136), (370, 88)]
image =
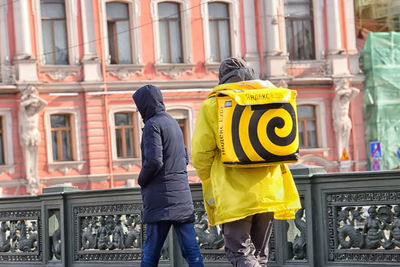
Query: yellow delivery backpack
[(257, 124)]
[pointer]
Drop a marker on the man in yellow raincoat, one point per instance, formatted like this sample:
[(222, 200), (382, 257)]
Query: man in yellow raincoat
[(244, 200)]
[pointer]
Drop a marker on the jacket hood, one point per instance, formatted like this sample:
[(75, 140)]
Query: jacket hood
[(149, 101), (234, 70)]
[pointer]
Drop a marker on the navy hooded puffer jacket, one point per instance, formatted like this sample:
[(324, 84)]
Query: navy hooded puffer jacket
[(163, 177)]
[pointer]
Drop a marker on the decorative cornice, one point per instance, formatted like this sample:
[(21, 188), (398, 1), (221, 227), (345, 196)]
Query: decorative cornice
[(66, 166), (7, 168), (127, 164), (174, 70), (124, 72), (212, 67), (59, 72)]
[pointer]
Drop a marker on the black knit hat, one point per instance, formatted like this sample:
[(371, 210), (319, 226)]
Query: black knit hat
[(235, 70)]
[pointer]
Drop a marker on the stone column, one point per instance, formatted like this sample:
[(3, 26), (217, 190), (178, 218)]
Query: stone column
[(351, 38), (5, 67), (275, 60), (251, 54), (24, 62), (336, 52), (91, 61)]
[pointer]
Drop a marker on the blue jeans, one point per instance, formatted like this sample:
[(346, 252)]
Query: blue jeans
[(156, 233)]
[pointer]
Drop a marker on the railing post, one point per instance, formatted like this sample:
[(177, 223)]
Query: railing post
[(54, 218)]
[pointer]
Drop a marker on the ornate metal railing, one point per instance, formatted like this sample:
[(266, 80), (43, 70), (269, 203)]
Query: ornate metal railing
[(348, 219)]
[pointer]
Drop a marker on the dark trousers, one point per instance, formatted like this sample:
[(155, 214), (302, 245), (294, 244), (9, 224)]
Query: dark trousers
[(246, 240), (156, 233)]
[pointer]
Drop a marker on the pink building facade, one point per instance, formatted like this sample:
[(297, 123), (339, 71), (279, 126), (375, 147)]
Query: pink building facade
[(85, 58)]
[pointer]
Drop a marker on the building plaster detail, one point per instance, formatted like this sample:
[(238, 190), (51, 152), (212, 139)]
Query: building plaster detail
[(174, 70), (59, 73), (124, 72)]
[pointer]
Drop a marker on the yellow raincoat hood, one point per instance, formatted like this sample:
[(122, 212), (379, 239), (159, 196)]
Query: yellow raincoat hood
[(230, 193)]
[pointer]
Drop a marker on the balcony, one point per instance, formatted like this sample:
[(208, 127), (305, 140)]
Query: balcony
[(349, 219)]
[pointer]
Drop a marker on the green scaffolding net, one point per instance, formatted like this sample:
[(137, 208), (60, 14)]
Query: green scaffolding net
[(381, 92)]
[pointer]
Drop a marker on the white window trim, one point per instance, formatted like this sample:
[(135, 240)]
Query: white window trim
[(174, 70), (187, 113), (319, 45), (234, 31), (64, 166), (71, 14), (8, 142), (134, 24), (320, 115), (127, 163)]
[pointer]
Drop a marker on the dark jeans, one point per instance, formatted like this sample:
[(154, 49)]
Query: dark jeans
[(246, 240), (156, 233)]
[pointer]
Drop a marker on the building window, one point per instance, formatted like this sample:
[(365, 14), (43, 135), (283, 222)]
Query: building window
[(220, 45), (183, 115), (2, 160), (170, 33), (125, 135), (119, 33), (183, 124), (299, 29), (54, 32), (308, 136), (62, 137)]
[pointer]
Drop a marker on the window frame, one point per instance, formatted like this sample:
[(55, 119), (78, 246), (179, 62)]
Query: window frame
[(114, 37), (320, 124), (135, 147), (134, 24), (71, 10), (8, 165), (318, 31), (126, 163), (174, 70), (75, 122), (186, 113), (184, 8), (218, 32), (304, 123), (233, 8), (293, 19), (167, 21), (59, 132)]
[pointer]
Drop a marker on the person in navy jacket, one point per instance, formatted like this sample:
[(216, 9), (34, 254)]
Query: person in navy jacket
[(167, 200)]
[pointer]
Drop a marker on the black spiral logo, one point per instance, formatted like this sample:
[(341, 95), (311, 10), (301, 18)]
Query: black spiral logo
[(276, 122)]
